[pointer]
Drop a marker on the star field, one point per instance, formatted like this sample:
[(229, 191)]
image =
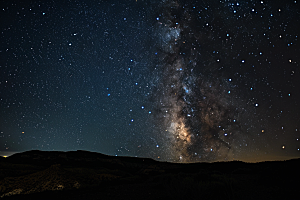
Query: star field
[(179, 81)]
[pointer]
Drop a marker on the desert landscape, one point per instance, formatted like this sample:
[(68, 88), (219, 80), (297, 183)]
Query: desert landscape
[(88, 175)]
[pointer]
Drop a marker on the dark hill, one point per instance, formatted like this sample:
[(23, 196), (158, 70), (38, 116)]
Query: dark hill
[(89, 175)]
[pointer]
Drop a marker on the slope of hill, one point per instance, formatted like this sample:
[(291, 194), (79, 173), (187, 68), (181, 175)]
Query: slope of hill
[(89, 175)]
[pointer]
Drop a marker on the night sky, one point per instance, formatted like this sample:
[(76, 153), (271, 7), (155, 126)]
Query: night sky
[(178, 81)]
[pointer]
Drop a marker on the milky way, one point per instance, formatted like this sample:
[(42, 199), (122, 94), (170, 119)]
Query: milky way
[(198, 118)]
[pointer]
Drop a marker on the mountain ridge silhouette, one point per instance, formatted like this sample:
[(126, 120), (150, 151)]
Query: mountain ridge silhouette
[(83, 174)]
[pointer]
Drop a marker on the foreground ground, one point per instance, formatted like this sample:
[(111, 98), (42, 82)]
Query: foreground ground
[(87, 175)]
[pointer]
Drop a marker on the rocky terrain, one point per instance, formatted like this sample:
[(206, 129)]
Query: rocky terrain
[(89, 175)]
